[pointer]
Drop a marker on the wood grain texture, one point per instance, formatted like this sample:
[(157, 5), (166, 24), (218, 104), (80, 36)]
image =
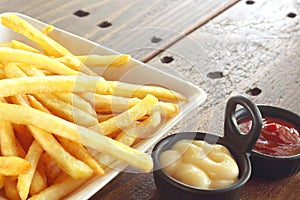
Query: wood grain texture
[(134, 23), (251, 46), (246, 47), (254, 46), (244, 60)]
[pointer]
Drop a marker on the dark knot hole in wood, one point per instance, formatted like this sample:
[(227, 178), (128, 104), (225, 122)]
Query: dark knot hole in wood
[(215, 75), (81, 13), (249, 2), (155, 39), (254, 91), (167, 59), (291, 15), (104, 24)]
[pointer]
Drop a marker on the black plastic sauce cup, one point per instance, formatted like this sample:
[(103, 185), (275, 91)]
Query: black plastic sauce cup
[(268, 166), (240, 146)]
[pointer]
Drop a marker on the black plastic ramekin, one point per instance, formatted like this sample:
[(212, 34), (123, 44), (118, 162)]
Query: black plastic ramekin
[(240, 146), (268, 166)]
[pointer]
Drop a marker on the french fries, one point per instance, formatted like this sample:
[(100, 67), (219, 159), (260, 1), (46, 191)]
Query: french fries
[(77, 133), (19, 45), (118, 104), (39, 60), (47, 29), (8, 139), (2, 75), (55, 113), (130, 134), (63, 159), (34, 85), (13, 166), (59, 190), (128, 117), (47, 44), (106, 61), (24, 181), (140, 91)]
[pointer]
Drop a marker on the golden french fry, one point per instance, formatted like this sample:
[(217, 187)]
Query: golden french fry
[(36, 104), (63, 159), (105, 160), (166, 109), (13, 166), (48, 84), (128, 136), (141, 130), (8, 143), (54, 104), (104, 117), (70, 61), (59, 190), (35, 117), (38, 60), (29, 70), (8, 139), (50, 46), (66, 111), (33, 71), (19, 25), (39, 183), (21, 98), (69, 98), (116, 104), (128, 117), (12, 70), (20, 45), (105, 61), (79, 152), (24, 180), (2, 74), (77, 133), (77, 102), (47, 29), (140, 91), (109, 103)]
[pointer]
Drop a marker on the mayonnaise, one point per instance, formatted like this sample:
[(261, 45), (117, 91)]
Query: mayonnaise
[(200, 164)]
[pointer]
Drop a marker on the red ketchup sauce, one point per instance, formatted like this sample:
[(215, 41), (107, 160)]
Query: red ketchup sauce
[(278, 137)]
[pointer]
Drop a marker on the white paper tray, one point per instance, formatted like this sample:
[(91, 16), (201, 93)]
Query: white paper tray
[(133, 72)]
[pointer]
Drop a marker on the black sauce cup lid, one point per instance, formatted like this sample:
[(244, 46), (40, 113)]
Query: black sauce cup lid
[(239, 145)]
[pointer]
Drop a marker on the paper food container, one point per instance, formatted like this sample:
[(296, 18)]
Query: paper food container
[(133, 72)]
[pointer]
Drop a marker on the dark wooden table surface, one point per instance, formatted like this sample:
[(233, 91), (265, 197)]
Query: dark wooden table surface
[(226, 47)]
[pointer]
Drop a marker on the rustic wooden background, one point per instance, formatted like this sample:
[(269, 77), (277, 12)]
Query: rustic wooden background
[(226, 47)]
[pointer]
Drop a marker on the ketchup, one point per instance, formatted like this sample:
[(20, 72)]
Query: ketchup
[(278, 137)]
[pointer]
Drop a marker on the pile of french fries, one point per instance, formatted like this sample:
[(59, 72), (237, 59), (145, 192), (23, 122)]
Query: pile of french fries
[(55, 111)]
